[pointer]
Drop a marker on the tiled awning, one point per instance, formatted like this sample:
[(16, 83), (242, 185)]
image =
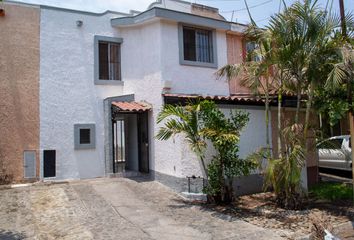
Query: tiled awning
[(241, 98), (131, 106)]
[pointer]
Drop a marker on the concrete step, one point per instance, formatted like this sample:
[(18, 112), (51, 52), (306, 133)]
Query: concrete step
[(127, 174)]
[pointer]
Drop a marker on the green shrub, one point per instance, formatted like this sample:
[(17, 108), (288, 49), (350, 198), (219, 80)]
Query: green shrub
[(332, 191)]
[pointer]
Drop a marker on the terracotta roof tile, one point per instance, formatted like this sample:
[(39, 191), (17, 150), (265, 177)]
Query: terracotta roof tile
[(132, 106), (239, 98)]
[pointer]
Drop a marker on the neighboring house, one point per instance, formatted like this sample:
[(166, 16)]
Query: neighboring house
[(19, 92), (105, 77)]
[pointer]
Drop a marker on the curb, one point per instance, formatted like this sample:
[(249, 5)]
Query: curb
[(39, 183)]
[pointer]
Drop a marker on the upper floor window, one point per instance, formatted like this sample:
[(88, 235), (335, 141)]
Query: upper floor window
[(107, 60), (252, 51), (197, 46)]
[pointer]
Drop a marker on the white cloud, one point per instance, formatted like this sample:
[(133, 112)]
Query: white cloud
[(96, 5)]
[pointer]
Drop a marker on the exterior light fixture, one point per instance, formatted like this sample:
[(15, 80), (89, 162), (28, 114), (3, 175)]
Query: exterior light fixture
[(79, 23)]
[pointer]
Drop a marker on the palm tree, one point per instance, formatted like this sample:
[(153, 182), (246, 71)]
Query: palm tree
[(301, 40), (183, 120), (256, 72), (304, 36), (284, 174)]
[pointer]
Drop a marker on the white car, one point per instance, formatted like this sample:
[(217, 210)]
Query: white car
[(335, 153)]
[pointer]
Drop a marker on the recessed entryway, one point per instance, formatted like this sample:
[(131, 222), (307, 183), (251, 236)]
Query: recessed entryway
[(130, 142), (130, 138)]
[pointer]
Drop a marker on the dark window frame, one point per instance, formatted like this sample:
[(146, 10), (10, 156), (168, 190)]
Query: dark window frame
[(77, 136), (85, 135), (110, 41), (182, 29)]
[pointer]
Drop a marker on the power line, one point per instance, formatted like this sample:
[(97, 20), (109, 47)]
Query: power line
[(242, 9)]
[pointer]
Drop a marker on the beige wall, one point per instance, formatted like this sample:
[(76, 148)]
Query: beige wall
[(19, 86), (205, 11), (235, 54)]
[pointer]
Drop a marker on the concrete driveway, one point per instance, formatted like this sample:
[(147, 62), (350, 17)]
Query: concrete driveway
[(112, 209)]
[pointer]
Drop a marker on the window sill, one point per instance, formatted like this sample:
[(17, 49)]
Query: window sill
[(109, 82), (85, 146), (198, 64)]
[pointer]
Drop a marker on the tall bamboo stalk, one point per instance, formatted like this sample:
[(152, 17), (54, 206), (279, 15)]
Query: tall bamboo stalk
[(307, 115), (280, 96), (267, 113), (298, 104)]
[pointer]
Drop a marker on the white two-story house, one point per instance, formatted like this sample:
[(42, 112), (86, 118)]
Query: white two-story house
[(103, 78)]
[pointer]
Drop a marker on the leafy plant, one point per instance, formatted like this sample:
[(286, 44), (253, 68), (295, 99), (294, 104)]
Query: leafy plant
[(257, 71), (332, 191), (224, 134), (203, 121), (183, 120), (283, 175)]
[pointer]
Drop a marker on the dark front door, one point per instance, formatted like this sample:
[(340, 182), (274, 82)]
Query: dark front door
[(143, 142), (49, 163)]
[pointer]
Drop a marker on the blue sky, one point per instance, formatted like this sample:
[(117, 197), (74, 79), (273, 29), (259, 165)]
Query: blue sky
[(231, 9), (261, 10)]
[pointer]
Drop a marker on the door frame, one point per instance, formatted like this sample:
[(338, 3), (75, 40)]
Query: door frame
[(141, 116), (144, 116)]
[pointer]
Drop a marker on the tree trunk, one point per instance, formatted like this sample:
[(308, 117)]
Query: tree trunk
[(267, 121), (204, 167), (230, 190), (222, 181), (306, 127), (298, 105), (267, 113), (279, 122), (307, 116)]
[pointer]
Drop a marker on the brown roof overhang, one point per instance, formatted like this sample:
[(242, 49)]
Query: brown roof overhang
[(131, 106), (221, 99)]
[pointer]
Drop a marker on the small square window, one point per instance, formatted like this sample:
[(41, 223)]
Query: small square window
[(84, 136)]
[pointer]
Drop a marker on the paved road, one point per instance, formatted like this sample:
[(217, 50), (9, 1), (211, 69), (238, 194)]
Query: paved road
[(112, 209)]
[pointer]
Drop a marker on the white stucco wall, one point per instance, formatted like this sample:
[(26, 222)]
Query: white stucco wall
[(67, 92), (174, 157), (149, 57), (253, 136), (142, 77), (191, 79), (175, 5)]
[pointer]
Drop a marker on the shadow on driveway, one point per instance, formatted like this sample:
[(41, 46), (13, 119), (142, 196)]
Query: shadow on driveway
[(9, 235)]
